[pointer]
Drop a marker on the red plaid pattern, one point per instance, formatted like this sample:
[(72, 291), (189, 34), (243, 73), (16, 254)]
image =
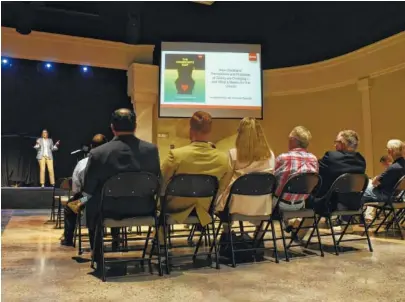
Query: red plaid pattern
[(296, 161)]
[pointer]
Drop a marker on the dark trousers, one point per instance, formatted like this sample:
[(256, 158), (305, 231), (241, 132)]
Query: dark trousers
[(70, 224), (96, 246)]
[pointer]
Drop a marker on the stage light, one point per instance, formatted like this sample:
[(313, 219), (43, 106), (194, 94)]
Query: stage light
[(85, 68), (48, 65), (4, 61)]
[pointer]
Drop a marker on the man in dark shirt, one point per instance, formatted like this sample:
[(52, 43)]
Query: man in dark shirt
[(335, 163), (383, 185), (124, 153)]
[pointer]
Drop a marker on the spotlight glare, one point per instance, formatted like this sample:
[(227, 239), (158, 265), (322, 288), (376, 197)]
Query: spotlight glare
[(4, 61), (48, 65)]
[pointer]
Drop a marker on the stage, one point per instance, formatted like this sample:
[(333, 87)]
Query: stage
[(26, 197)]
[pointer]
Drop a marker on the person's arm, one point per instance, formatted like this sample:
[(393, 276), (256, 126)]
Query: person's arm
[(272, 162), (169, 168), (324, 164), (76, 185), (54, 147), (37, 145), (91, 178), (225, 180)]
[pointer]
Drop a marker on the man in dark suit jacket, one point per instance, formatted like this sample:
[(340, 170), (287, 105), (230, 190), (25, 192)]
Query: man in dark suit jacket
[(125, 153), (383, 185), (335, 163)]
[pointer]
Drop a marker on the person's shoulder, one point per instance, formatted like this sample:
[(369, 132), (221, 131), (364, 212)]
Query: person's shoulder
[(105, 148), (147, 145)]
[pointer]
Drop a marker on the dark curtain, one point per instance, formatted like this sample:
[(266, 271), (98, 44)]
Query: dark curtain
[(72, 105)]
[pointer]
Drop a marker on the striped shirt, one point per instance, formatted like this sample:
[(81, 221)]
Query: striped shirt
[(296, 161)]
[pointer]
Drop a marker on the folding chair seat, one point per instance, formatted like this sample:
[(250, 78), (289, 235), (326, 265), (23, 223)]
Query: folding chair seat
[(134, 197), (189, 186), (303, 184), (251, 184), (352, 185), (393, 209)]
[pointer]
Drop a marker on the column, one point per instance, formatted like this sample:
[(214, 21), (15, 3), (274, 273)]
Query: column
[(143, 85), (363, 85)]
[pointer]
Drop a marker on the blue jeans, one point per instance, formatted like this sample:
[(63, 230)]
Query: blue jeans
[(372, 194)]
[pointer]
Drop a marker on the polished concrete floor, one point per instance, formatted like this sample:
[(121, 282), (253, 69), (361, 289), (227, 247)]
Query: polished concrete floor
[(36, 268)]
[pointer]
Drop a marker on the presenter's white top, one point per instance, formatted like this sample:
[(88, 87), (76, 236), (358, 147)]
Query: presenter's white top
[(46, 147)]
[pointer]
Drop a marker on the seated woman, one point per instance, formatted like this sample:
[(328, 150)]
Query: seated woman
[(251, 154)]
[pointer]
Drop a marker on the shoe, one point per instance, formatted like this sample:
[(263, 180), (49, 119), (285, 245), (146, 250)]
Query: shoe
[(66, 242), (42, 186), (74, 206)]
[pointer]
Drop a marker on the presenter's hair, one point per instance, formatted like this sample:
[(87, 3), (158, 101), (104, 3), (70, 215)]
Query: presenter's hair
[(396, 146), (251, 143), (201, 122), (351, 138), (98, 140), (302, 136), (123, 120)]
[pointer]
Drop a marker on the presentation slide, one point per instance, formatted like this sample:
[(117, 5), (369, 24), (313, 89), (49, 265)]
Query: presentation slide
[(222, 79)]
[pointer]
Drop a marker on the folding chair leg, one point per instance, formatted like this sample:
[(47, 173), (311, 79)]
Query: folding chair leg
[(214, 243), (146, 244), (232, 247), (273, 237), (344, 230), (316, 227), (103, 270), (215, 236), (242, 229), (199, 242), (94, 247), (79, 226), (158, 246), (287, 258), (397, 224), (363, 220), (382, 222), (165, 245), (296, 232), (333, 236)]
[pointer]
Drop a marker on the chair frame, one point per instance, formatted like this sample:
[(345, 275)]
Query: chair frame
[(164, 215), (60, 212), (398, 214), (329, 214), (227, 217), (101, 229), (279, 214)]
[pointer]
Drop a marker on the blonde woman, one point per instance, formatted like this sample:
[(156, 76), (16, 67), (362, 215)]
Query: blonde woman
[(251, 154)]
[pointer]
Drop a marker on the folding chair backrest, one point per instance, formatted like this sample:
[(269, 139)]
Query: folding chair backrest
[(303, 183), (192, 185), (399, 190), (349, 183), (130, 193), (254, 184)]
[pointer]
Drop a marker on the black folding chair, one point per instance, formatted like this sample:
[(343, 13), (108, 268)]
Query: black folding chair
[(62, 194), (189, 186), (346, 185), (393, 209), (252, 184), (57, 192), (132, 196), (304, 183)]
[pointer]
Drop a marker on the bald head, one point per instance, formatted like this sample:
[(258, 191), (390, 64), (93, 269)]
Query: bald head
[(123, 121), (98, 140)]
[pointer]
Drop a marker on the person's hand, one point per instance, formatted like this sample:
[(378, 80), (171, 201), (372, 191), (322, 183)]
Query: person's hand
[(376, 181), (57, 143)]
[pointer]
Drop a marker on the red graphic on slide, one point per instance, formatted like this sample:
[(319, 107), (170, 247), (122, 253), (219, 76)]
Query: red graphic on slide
[(200, 56), (184, 87), (253, 57)]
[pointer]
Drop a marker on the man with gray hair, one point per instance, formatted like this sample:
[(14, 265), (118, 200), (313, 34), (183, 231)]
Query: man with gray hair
[(383, 185)]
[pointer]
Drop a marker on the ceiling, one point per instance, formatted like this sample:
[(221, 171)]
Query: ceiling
[(291, 33)]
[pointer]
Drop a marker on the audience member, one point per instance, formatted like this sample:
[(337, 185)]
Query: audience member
[(296, 161), (125, 153), (252, 154), (199, 157), (385, 161), (335, 163), (77, 186), (383, 185)]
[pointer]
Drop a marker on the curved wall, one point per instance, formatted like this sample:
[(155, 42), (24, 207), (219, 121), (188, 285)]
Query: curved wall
[(363, 90)]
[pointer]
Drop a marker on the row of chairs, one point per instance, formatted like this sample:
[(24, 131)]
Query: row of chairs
[(145, 187)]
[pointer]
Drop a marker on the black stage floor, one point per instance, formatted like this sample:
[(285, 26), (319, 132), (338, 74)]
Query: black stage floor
[(26, 198)]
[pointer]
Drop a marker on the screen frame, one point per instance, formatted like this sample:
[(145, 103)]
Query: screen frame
[(214, 118)]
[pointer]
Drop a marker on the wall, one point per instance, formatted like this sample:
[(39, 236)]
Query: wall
[(363, 91)]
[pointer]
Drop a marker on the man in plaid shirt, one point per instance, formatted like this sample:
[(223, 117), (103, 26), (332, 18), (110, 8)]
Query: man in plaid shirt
[(296, 161)]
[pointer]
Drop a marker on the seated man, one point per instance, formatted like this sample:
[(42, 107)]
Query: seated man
[(77, 185), (124, 153), (383, 185), (335, 163), (296, 161), (199, 157)]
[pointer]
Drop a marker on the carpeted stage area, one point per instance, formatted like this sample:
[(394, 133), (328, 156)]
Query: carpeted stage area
[(26, 198), (36, 268)]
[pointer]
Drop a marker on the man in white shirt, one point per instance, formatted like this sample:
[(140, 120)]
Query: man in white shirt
[(77, 188), (45, 147)]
